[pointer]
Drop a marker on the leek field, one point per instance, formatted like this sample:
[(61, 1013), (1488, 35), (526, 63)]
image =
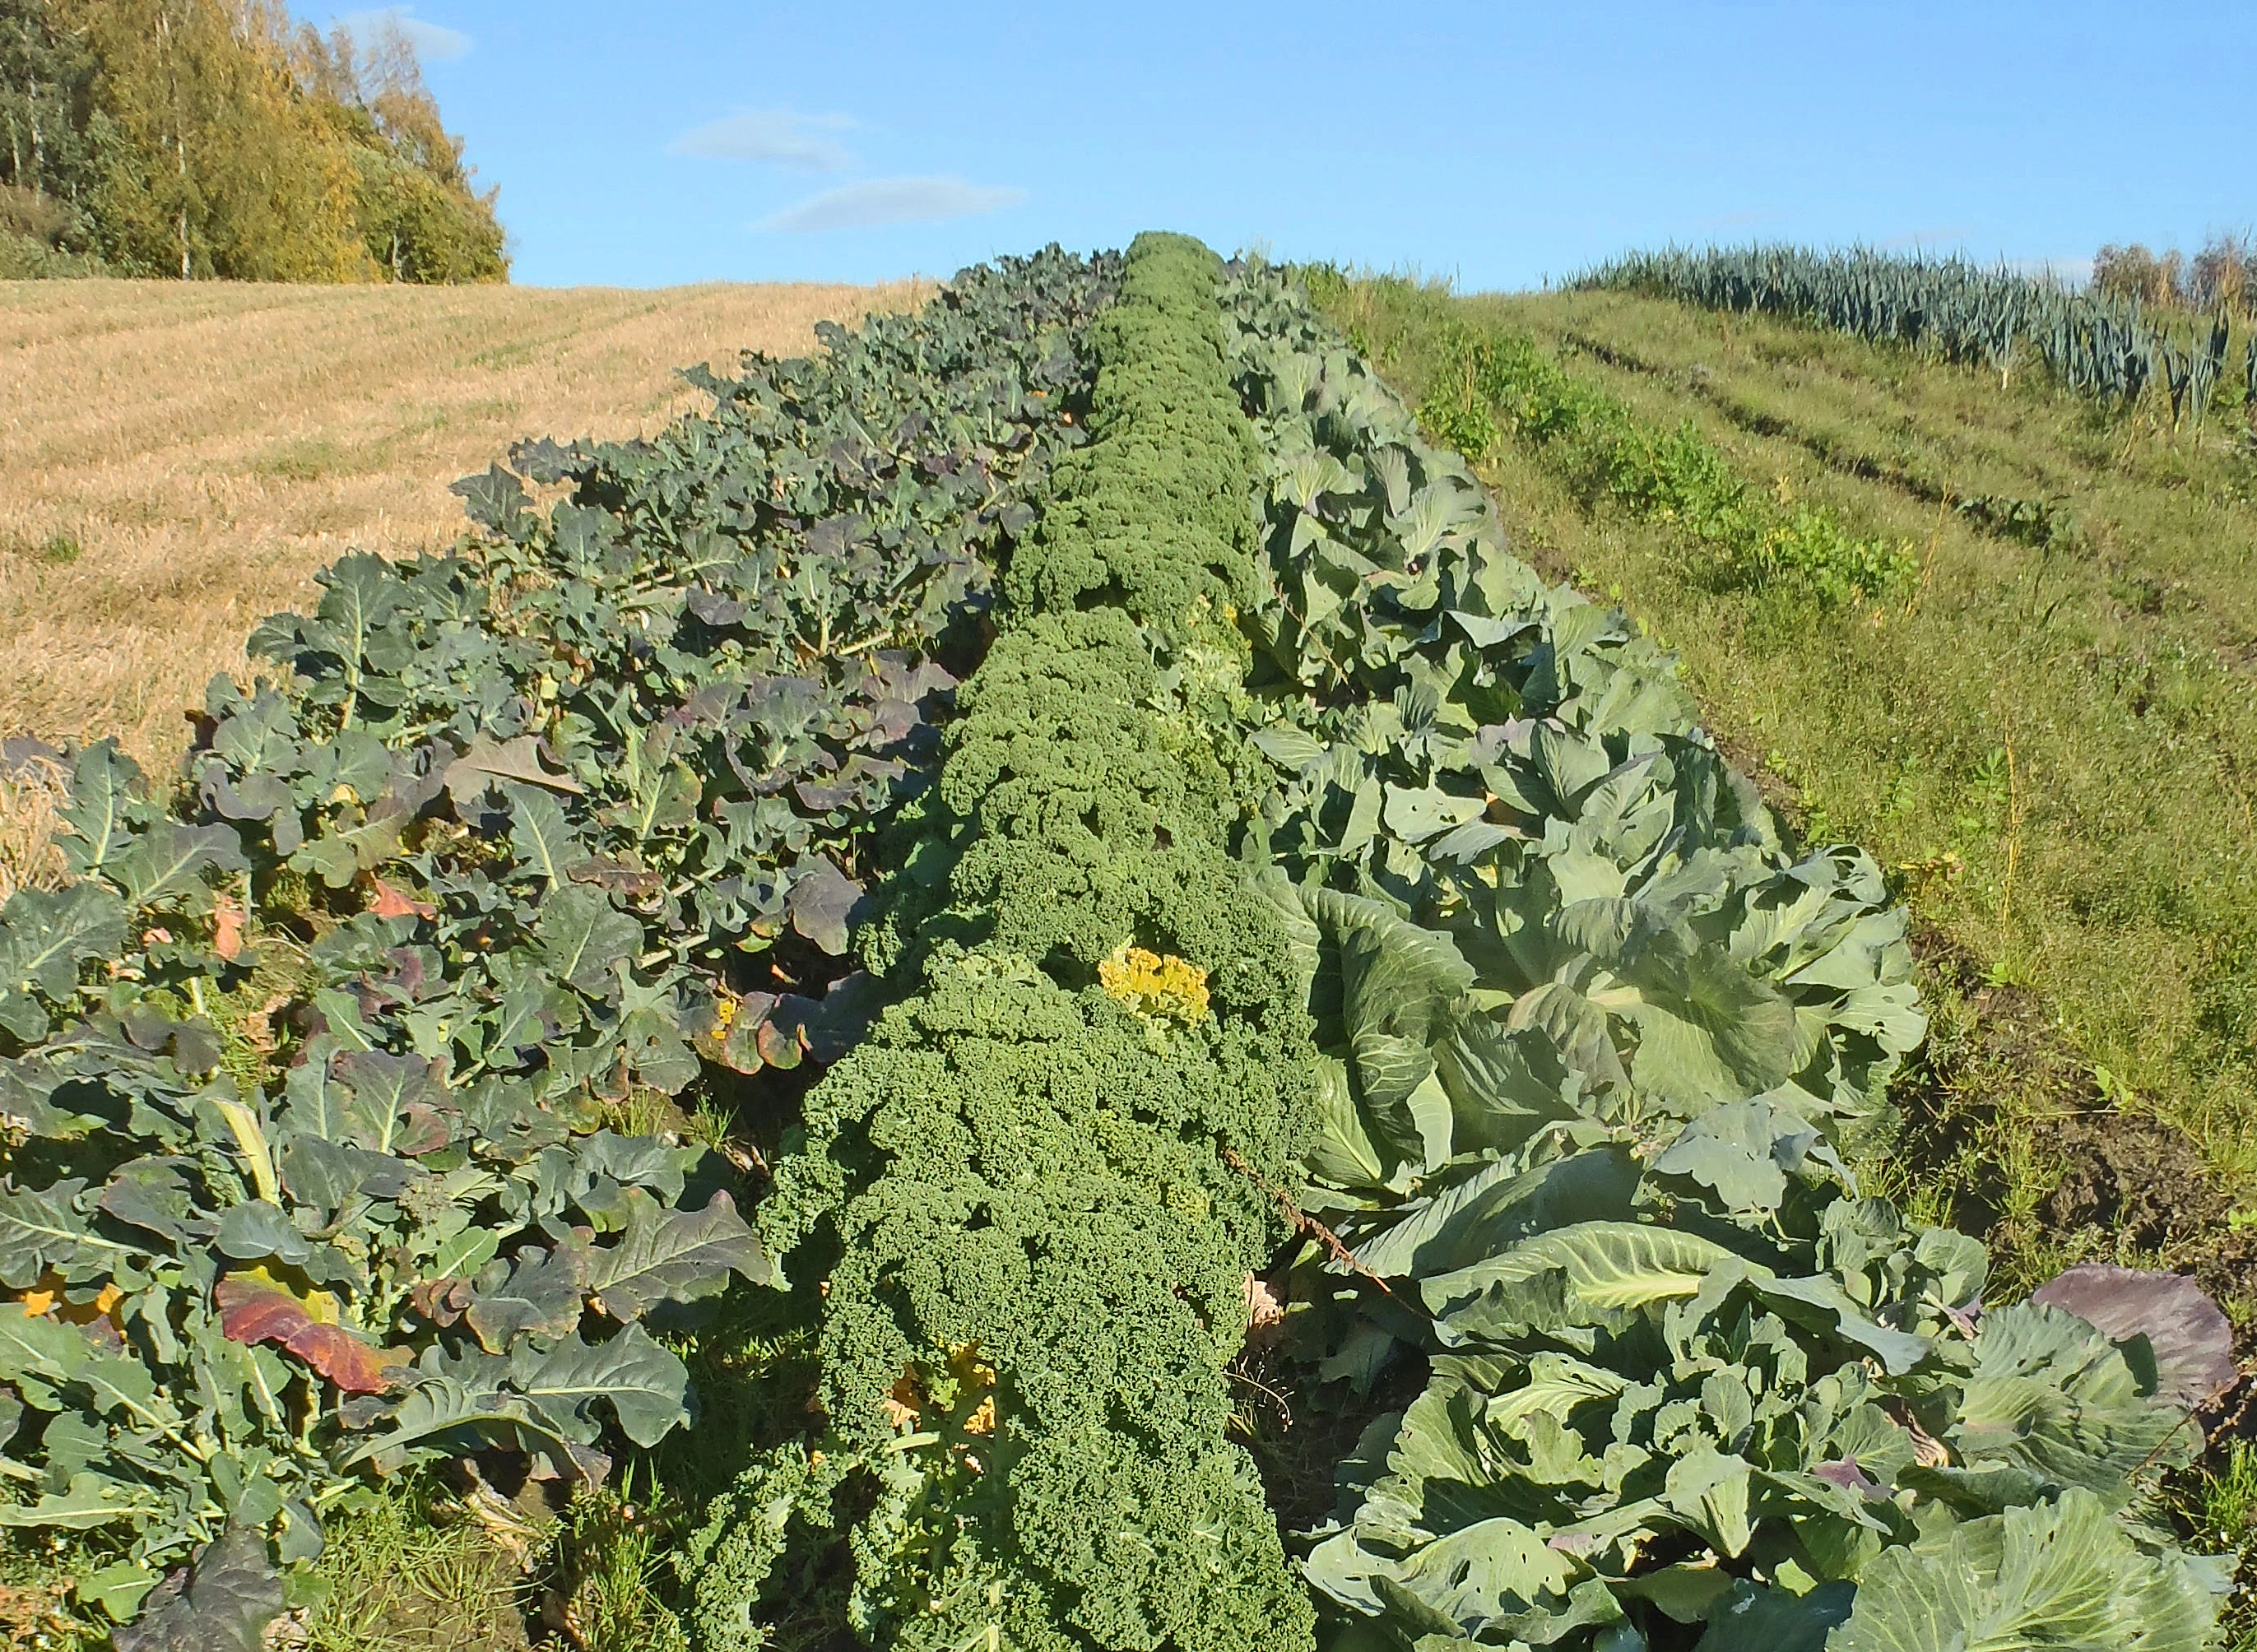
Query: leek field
[(1181, 955)]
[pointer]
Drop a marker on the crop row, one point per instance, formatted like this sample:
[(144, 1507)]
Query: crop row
[(1590, 1034), (1297, 911), (1030, 1187), (349, 1084), (2096, 345), (1489, 385)]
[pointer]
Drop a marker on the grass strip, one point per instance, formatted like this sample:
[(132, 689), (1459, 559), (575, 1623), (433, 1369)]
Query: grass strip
[(2043, 741), (1486, 386)]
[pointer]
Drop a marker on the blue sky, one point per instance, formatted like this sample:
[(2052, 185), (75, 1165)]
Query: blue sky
[(662, 141)]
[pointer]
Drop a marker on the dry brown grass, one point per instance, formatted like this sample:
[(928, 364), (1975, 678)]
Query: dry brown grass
[(31, 791), (177, 459)]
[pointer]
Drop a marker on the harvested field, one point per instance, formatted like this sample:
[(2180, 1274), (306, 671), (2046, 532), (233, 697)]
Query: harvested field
[(177, 459)]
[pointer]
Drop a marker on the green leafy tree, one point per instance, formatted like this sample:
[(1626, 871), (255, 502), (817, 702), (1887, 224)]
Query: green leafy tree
[(45, 76), (219, 139), (215, 163), (46, 158), (420, 220)]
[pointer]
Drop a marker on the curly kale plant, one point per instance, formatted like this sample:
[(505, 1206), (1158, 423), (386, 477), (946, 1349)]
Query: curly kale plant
[(1033, 1193)]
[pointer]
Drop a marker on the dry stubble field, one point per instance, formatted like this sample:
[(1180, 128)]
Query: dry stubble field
[(176, 460)]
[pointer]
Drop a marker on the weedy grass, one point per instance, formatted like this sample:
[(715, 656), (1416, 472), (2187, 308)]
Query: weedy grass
[(35, 1612), (2047, 731), (413, 1571), (614, 1555), (2221, 1507), (2048, 727)]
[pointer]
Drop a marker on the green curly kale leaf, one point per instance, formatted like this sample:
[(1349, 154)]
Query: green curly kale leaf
[(1035, 1207)]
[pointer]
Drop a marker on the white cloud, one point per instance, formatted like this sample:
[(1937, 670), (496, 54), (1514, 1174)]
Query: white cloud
[(883, 200), (434, 42), (776, 135)]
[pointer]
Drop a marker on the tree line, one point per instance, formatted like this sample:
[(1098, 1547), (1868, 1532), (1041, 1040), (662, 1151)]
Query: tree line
[(2222, 276), (217, 139)]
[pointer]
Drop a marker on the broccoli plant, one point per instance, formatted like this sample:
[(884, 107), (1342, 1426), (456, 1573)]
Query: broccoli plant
[(347, 1088)]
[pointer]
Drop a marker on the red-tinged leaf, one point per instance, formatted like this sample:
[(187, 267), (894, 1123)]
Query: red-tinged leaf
[(1844, 1473), (735, 1040), (389, 903), (253, 1310), (227, 918), (779, 1046), (439, 1301), (423, 1129), (2191, 1340)]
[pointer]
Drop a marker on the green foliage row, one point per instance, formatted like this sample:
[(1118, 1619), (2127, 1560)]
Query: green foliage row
[(202, 138), (319, 1076), (2101, 344), (1290, 838), (1589, 1033), (1489, 385), (1032, 1196)]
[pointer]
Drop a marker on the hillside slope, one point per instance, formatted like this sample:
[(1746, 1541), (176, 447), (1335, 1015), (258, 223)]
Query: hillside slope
[(2046, 725), (176, 459)]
